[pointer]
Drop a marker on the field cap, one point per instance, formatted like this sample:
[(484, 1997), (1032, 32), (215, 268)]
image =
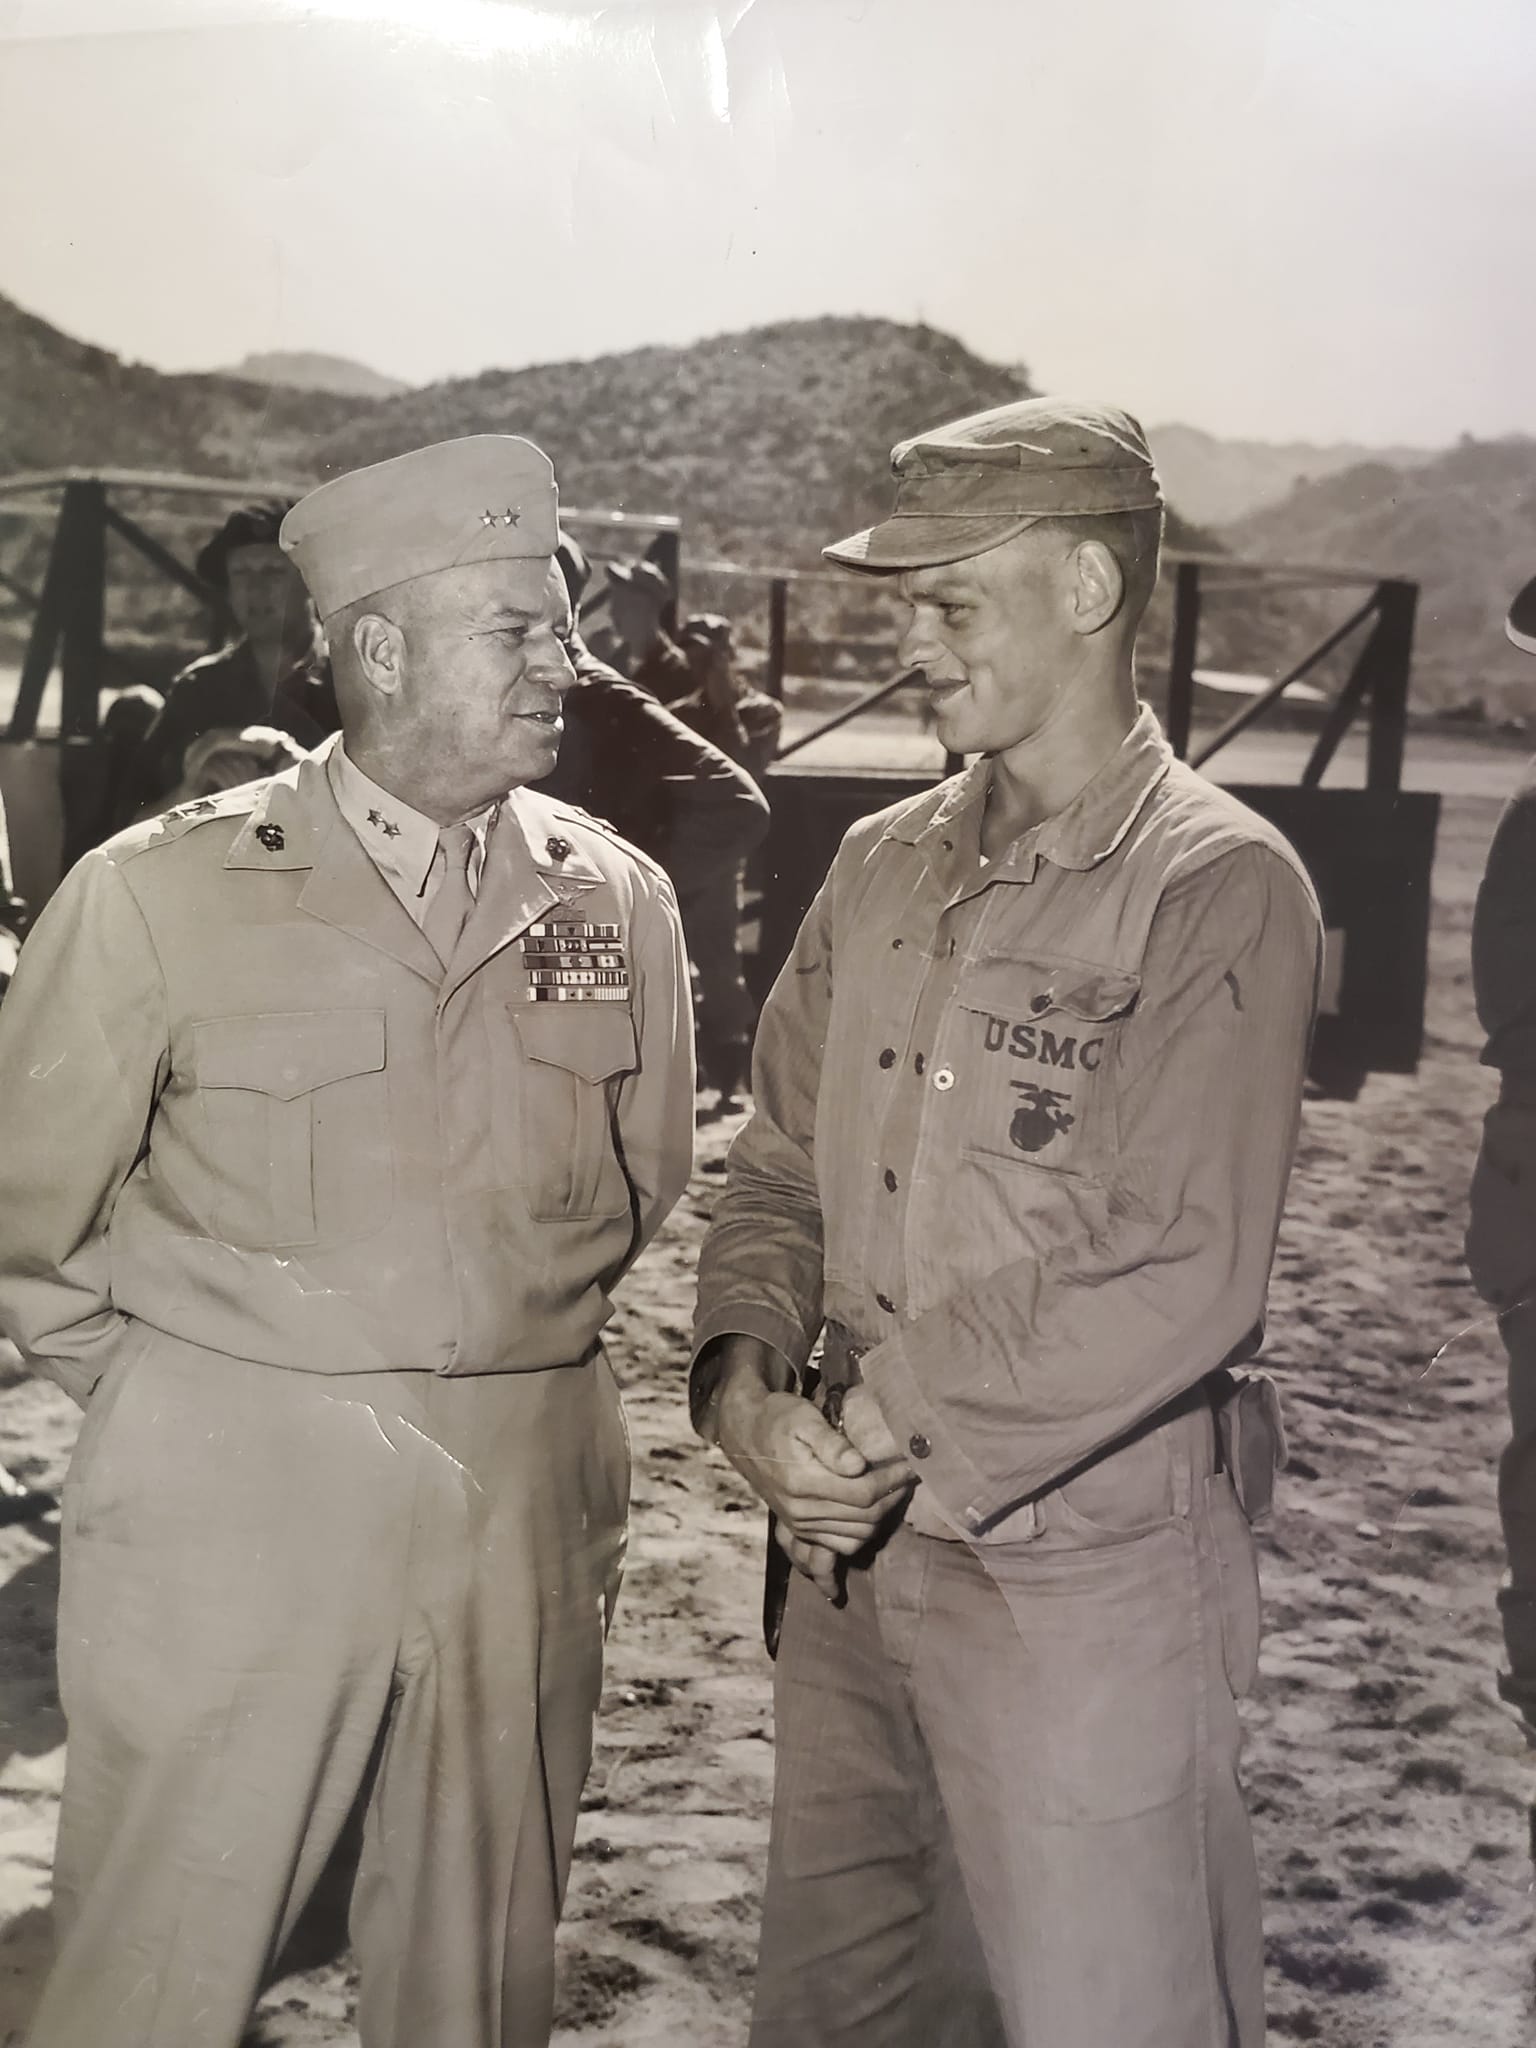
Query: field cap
[(975, 483), (643, 576), (1520, 626), (485, 498), (712, 628)]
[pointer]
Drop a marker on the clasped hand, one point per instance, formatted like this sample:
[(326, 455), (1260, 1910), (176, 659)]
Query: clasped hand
[(829, 1491)]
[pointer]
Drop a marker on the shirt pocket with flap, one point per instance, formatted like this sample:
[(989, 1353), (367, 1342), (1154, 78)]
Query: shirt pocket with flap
[(295, 1114), (1035, 1045), (562, 1149)]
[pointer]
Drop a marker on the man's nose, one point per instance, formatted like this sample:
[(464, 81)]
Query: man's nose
[(918, 647), (549, 662)]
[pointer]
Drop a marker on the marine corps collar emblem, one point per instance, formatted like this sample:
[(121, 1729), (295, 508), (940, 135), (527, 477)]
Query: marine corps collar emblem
[(271, 837)]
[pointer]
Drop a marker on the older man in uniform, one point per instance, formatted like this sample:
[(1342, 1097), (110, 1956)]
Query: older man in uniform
[(1501, 1232), (1027, 1092), (335, 1106)]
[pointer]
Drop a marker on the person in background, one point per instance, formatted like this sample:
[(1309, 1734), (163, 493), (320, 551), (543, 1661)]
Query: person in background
[(638, 597), (744, 723), (100, 800), (722, 705), (272, 672), (1501, 1226), (336, 1106), (1027, 1093), (685, 802)]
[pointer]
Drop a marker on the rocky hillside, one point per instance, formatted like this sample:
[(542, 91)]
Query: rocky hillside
[(1462, 525), (764, 443), (65, 403)]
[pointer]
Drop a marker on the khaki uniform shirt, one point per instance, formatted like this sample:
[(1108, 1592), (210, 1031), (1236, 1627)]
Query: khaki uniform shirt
[(245, 1105), (1024, 1129)]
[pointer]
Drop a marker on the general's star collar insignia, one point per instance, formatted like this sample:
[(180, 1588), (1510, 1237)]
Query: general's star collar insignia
[(386, 825), (271, 837)]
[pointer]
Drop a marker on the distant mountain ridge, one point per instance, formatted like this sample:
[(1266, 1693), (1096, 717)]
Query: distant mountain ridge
[(64, 402), (307, 370), (1216, 481), (1462, 526)]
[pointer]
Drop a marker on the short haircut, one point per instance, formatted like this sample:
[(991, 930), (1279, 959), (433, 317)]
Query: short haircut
[(252, 526), (1135, 540)]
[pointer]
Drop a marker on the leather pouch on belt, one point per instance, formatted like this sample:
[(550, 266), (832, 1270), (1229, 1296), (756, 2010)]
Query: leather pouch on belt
[(1251, 1431)]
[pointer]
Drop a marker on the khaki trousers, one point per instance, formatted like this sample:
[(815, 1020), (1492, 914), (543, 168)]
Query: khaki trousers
[(1006, 1807), (283, 1590)]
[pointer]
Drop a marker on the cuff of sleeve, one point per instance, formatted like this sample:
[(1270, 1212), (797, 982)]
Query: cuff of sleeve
[(960, 1491), (747, 1319)]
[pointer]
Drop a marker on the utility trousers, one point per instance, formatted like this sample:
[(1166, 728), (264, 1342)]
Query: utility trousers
[(1007, 1811)]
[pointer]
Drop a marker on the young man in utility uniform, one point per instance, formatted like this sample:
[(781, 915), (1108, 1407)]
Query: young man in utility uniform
[(1027, 1094)]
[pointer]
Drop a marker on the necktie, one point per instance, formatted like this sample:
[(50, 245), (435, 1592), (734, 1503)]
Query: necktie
[(449, 909)]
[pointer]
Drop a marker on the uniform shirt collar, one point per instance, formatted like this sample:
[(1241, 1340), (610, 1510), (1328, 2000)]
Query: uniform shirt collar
[(400, 841), (1090, 828)]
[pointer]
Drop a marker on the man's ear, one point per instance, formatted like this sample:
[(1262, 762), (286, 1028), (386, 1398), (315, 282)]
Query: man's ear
[(379, 646), (1098, 586)]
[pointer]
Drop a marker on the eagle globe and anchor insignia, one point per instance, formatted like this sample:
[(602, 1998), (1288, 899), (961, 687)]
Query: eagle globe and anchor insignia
[(1040, 1117)]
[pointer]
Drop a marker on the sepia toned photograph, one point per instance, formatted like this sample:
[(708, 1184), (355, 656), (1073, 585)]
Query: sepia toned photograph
[(767, 1024)]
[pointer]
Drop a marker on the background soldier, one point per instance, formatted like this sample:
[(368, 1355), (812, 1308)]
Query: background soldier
[(272, 672), (1501, 1235), (745, 724), (1027, 1092), (335, 1107), (638, 595)]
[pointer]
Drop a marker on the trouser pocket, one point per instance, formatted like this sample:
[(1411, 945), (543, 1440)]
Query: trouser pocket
[(1236, 1568)]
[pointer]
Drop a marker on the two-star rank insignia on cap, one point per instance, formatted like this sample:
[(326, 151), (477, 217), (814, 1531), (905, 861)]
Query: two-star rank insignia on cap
[(576, 963), (271, 837), (507, 518)]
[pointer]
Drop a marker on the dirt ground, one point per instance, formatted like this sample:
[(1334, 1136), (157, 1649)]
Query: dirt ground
[(1391, 1795)]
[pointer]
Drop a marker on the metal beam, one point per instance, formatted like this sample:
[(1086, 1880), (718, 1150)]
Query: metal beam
[(1182, 657), (43, 640), (160, 557), (174, 482), (84, 600), (1257, 706), (1391, 664), (865, 703), (778, 631)]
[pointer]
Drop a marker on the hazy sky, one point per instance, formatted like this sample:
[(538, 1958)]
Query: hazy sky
[(1276, 217)]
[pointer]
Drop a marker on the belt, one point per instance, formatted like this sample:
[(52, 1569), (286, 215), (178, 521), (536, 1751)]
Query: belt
[(838, 1367)]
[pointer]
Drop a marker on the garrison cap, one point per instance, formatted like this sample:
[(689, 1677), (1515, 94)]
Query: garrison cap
[(643, 576), (484, 498), (1520, 626), (975, 483)]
